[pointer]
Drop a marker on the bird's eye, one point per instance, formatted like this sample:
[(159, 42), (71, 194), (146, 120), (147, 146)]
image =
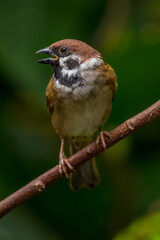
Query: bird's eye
[(63, 50)]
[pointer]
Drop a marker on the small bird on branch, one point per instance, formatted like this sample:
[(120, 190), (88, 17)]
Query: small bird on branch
[(79, 96)]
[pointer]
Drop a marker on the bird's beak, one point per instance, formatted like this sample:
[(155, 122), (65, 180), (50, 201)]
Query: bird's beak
[(52, 60), (45, 50)]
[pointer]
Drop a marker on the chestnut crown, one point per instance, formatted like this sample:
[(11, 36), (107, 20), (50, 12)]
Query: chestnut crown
[(69, 46)]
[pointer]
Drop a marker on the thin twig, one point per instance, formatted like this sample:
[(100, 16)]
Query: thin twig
[(46, 179)]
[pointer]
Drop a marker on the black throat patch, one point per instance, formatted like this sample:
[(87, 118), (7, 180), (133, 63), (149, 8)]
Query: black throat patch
[(65, 79)]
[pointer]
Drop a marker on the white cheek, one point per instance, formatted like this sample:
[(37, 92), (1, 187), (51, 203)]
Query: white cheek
[(62, 60), (69, 72), (91, 63)]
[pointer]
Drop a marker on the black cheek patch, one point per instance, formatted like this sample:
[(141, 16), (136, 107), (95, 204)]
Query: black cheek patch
[(66, 81), (71, 63)]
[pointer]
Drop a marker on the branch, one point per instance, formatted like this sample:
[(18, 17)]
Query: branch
[(46, 179)]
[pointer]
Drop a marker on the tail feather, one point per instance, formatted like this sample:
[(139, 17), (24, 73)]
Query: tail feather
[(88, 174)]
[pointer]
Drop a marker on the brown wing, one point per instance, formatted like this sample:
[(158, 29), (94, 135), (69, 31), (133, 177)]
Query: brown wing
[(50, 96), (111, 78)]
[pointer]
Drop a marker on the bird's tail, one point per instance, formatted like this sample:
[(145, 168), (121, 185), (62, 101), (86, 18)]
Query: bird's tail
[(88, 174)]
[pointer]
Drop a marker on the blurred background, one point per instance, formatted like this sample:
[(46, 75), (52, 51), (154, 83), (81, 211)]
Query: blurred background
[(126, 205)]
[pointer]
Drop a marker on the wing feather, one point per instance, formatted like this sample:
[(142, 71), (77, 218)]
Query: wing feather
[(111, 78), (50, 96)]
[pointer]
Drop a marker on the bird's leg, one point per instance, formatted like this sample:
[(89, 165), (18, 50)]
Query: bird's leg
[(101, 139), (63, 161)]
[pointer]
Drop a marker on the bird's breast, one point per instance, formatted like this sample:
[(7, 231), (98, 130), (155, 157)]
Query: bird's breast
[(80, 111)]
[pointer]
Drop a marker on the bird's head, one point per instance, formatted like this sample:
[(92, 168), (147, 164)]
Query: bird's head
[(69, 58), (69, 53)]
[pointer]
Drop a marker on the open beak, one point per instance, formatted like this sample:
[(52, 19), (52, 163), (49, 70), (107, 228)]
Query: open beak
[(47, 60)]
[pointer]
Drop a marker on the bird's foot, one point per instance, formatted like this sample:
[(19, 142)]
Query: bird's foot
[(64, 165), (101, 138)]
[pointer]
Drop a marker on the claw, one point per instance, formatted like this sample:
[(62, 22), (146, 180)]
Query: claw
[(64, 165), (63, 168), (100, 138), (69, 165), (60, 169)]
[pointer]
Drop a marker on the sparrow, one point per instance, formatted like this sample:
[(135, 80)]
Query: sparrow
[(79, 97)]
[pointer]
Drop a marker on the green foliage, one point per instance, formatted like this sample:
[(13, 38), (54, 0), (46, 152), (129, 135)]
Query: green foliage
[(128, 36), (146, 228)]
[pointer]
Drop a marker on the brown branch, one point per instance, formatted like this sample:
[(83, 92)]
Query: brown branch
[(46, 179)]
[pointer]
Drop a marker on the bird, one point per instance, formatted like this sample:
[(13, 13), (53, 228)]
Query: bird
[(79, 98)]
